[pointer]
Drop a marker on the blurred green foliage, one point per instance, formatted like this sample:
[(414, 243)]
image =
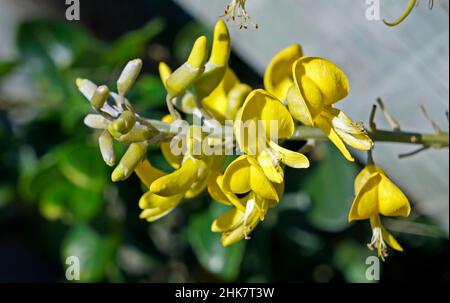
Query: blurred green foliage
[(50, 164)]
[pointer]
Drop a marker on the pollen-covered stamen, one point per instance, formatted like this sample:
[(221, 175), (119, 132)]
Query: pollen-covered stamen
[(348, 126), (378, 243), (248, 211), (236, 10)]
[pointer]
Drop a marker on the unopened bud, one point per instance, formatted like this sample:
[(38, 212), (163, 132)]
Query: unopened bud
[(106, 144), (137, 134), (86, 87), (100, 96), (129, 75), (164, 72), (130, 160), (123, 124), (217, 65), (96, 121), (181, 79)]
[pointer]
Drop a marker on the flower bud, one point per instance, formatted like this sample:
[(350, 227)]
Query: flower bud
[(217, 65), (96, 121), (164, 72), (106, 144), (137, 134), (180, 80), (100, 96), (129, 75), (86, 87), (130, 160), (123, 124)]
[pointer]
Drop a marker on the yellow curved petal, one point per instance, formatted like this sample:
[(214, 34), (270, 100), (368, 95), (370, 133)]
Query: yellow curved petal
[(321, 82), (147, 173), (272, 170), (390, 240), (364, 175), (351, 133), (236, 178), (261, 185), (291, 158), (202, 181), (227, 221), (278, 75), (215, 188), (242, 231), (392, 201), (173, 160), (298, 107), (365, 204), (262, 110), (328, 130), (177, 182), (217, 102), (164, 72)]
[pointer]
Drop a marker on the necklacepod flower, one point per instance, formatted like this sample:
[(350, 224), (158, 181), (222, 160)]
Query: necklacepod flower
[(318, 85), (377, 195), (261, 121), (249, 207), (278, 76)]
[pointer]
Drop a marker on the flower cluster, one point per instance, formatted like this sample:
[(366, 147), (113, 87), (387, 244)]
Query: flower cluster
[(297, 90)]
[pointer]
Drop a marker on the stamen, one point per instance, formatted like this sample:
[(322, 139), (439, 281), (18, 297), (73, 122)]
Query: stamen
[(236, 10)]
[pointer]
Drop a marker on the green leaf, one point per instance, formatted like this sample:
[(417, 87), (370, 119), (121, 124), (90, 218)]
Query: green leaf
[(94, 251), (132, 44), (330, 186), (223, 262), (63, 200), (350, 258), (150, 93), (6, 67)]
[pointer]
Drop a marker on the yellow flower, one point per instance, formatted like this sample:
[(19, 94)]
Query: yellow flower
[(245, 187), (226, 99), (376, 195), (262, 120), (318, 85), (278, 76)]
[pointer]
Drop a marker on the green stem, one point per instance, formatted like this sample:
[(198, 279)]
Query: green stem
[(439, 140)]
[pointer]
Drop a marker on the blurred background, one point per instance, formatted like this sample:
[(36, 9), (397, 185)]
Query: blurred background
[(56, 197)]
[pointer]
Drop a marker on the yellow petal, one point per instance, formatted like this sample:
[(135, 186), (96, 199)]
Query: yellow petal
[(392, 201), (147, 173), (364, 175), (202, 181), (320, 81), (351, 133), (390, 240), (236, 178), (164, 72), (217, 102), (291, 158), (261, 107), (227, 221), (173, 160), (261, 185), (177, 182), (155, 207), (298, 108), (272, 170), (365, 204), (215, 188), (278, 75), (328, 130)]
